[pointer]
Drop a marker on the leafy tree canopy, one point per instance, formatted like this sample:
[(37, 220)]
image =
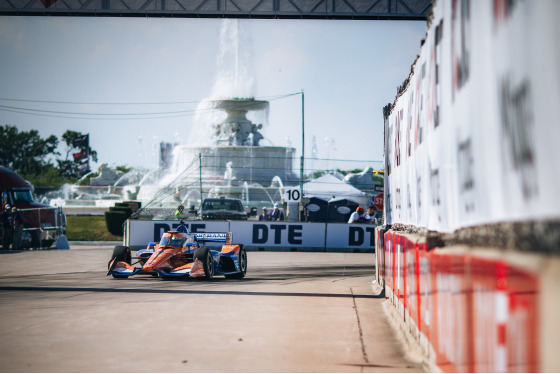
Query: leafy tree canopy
[(49, 177), (123, 168), (346, 172), (35, 158), (25, 151)]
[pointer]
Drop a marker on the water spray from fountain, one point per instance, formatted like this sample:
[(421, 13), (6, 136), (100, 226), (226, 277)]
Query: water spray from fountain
[(224, 155)]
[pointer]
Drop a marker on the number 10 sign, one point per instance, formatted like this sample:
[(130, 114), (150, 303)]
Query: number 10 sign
[(293, 194)]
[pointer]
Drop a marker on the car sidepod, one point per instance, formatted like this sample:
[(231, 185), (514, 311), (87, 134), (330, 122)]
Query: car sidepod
[(233, 261), (143, 255)]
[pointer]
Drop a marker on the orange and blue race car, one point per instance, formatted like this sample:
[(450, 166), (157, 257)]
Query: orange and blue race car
[(181, 254)]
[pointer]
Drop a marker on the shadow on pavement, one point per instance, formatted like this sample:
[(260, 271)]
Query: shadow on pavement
[(192, 292)]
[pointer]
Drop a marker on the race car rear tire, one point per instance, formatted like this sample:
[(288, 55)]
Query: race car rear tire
[(204, 254), (242, 265), (121, 253)]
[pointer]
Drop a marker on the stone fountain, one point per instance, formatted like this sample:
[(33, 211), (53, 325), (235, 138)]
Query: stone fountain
[(225, 157), (236, 142)]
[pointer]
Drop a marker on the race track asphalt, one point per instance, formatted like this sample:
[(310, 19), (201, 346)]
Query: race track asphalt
[(293, 312)]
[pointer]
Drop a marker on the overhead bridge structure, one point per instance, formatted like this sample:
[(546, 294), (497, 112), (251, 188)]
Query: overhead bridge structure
[(287, 9)]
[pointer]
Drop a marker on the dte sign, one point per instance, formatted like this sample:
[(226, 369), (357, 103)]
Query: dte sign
[(160, 228), (279, 234), (350, 235), (358, 236), (261, 234)]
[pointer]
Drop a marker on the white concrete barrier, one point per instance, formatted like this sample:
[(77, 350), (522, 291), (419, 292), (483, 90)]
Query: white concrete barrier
[(266, 235)]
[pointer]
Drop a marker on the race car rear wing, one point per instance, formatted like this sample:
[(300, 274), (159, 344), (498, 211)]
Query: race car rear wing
[(226, 237)]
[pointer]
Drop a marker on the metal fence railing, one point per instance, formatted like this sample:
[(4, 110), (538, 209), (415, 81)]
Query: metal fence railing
[(258, 177), (41, 227)]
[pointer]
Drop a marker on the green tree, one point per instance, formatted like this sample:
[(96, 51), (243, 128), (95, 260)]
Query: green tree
[(387, 110), (346, 172), (125, 169), (49, 177), (25, 152)]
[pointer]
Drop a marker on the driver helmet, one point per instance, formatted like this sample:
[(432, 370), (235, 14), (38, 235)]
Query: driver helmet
[(182, 227)]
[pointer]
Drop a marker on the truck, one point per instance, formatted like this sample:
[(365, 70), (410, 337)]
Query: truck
[(222, 208), (42, 224)]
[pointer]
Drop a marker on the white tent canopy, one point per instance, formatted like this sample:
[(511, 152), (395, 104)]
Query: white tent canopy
[(329, 187)]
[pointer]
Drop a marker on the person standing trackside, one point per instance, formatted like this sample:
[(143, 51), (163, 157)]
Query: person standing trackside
[(276, 214), (357, 216), (17, 221), (7, 232), (180, 212), (370, 215), (264, 216)]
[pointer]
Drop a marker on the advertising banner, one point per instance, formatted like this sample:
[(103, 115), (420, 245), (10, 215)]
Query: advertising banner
[(140, 233), (425, 290), (343, 235), (411, 281), (476, 313), (259, 234), (451, 337), (472, 140), (505, 306), (279, 234), (389, 267), (380, 255)]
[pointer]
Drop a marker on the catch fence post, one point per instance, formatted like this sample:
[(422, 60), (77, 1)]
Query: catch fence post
[(200, 175)]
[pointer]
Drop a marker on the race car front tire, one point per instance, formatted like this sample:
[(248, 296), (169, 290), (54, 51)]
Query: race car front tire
[(121, 253), (242, 265), (204, 254), (161, 276)]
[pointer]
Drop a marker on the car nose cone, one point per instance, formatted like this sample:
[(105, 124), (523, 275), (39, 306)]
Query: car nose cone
[(148, 268)]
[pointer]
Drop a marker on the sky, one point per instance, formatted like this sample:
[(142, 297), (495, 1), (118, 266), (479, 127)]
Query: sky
[(68, 73)]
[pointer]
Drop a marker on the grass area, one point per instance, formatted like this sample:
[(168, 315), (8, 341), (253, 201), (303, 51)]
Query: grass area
[(88, 228)]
